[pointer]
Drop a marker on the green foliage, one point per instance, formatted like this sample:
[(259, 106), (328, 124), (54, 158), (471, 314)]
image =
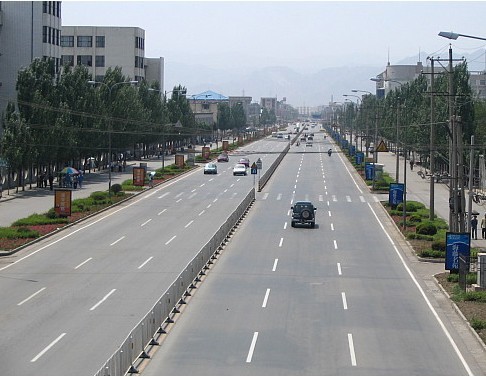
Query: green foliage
[(428, 253), (417, 236), (412, 206), (116, 188), (439, 245), (36, 219), (415, 219), (453, 278), (479, 296), (99, 196), (427, 228), (15, 233), (477, 324)]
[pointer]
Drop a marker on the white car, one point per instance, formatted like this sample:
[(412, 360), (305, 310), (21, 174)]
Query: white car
[(239, 169), (210, 168)]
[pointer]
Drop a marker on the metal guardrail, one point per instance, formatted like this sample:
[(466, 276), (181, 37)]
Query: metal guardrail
[(144, 333)]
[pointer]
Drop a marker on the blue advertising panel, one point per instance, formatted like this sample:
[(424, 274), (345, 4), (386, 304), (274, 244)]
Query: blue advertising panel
[(344, 143), (359, 158), (352, 150), (369, 171), (456, 243), (395, 194)]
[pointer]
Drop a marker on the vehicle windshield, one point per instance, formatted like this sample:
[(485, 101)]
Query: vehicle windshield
[(301, 207)]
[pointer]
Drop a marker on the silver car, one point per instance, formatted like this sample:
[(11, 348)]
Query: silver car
[(239, 169)]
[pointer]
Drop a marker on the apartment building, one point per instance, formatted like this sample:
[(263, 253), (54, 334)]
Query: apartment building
[(28, 30), (102, 47)]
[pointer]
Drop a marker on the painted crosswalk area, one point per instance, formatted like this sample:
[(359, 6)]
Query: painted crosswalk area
[(322, 198)]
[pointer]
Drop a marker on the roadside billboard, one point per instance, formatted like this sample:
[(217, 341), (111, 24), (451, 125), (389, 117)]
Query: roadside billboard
[(138, 176), (456, 243), (62, 202)]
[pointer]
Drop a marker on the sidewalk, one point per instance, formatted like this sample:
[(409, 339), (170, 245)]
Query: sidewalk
[(418, 189), (14, 206)]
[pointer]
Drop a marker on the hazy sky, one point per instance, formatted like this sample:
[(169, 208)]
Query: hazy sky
[(304, 36)]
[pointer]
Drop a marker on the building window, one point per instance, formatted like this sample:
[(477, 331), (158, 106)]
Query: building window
[(67, 41), (44, 7), (99, 78), (86, 60), (85, 41), (205, 106), (482, 82), (67, 59), (100, 41), (139, 43), (44, 34), (100, 61), (138, 62)]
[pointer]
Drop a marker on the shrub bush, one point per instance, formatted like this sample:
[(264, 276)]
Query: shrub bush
[(415, 219), (116, 188), (439, 245), (99, 196), (427, 228), (428, 253), (412, 206)]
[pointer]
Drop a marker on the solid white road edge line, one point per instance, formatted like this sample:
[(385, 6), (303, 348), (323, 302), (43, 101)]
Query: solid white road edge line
[(444, 329)]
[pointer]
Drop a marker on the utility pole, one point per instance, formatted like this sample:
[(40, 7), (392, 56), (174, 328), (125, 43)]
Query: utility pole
[(432, 143)]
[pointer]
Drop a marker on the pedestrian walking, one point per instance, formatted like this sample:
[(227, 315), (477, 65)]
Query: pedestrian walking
[(44, 176), (411, 164), (474, 227), (41, 180), (51, 181), (483, 227), (80, 180)]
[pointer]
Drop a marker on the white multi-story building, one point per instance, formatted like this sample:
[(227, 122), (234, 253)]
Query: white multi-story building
[(28, 30), (101, 47)]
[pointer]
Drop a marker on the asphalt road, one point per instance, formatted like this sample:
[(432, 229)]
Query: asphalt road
[(340, 299), (70, 300)]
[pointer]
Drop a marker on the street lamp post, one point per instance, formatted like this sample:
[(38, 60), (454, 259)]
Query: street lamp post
[(359, 102), (110, 88)]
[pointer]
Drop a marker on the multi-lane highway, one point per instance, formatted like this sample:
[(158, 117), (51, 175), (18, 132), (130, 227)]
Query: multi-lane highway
[(339, 299), (69, 301)]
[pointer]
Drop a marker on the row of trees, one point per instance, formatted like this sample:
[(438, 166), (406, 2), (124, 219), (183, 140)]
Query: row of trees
[(409, 107), (65, 119)]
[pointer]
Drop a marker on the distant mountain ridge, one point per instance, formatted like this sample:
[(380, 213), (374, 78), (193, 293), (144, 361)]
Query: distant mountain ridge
[(299, 89)]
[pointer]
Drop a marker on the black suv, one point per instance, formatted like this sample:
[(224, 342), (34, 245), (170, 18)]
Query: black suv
[(303, 213)]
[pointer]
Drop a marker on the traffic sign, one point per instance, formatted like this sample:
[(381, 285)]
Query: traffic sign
[(382, 147), (259, 164)]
